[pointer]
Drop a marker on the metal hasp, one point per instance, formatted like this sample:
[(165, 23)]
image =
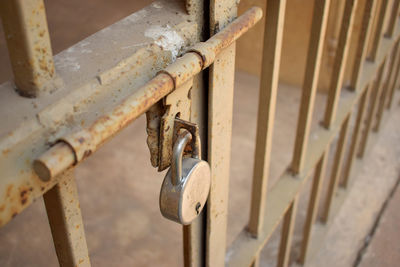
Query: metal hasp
[(86, 141), (186, 185)]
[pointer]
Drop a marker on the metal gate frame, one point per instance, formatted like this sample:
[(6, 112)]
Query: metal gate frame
[(67, 108)]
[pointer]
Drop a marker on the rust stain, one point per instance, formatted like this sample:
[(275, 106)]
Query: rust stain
[(8, 191)]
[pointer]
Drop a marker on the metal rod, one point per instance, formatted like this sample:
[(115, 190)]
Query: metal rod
[(28, 41), (64, 214), (394, 17), (88, 140), (379, 30), (273, 32), (309, 88), (363, 41), (287, 234), (313, 205), (362, 107), (394, 84), (340, 62), (376, 91), (336, 169), (387, 86), (221, 87)]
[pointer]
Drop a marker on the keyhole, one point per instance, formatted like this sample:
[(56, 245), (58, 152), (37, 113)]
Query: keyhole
[(198, 206)]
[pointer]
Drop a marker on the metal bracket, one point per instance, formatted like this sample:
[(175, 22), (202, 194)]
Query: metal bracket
[(195, 147), (160, 128)]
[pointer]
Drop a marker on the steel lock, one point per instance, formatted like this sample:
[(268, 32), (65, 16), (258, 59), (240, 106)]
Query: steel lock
[(186, 185)]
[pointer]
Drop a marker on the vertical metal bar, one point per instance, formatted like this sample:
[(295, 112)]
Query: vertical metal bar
[(287, 234), (394, 17), (374, 100), (313, 204), (64, 214), (219, 135), (340, 62), (318, 30), (194, 234), (26, 32), (379, 30), (274, 20), (362, 107), (336, 169), (386, 86), (393, 87), (362, 46)]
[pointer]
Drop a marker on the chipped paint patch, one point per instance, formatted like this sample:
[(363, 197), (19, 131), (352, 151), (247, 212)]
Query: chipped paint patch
[(69, 63), (166, 38)]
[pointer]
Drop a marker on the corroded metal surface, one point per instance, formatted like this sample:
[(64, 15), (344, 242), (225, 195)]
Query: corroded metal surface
[(28, 42), (96, 73), (88, 140)]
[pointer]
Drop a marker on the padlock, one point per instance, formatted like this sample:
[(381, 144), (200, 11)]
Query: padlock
[(186, 185)]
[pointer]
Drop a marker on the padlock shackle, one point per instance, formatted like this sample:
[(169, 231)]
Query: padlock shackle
[(183, 139)]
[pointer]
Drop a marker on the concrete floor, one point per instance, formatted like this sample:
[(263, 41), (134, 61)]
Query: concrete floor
[(119, 189)]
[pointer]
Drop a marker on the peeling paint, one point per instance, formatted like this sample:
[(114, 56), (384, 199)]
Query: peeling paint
[(166, 38)]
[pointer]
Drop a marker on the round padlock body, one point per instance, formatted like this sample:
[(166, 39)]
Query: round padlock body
[(183, 202)]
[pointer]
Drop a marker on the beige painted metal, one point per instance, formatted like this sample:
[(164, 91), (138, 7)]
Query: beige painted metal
[(266, 111), (318, 29), (394, 17), (340, 62), (64, 214), (362, 46), (221, 83), (379, 31), (336, 170), (313, 205), (244, 247), (393, 87), (287, 234), (205, 240), (88, 140), (375, 94), (362, 108), (388, 84), (28, 41), (92, 85)]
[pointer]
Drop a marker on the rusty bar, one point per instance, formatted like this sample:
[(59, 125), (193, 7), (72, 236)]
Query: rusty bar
[(362, 107), (221, 87), (90, 139), (340, 62), (362, 46), (287, 234), (376, 91), (318, 29), (379, 30), (313, 204), (336, 169), (266, 110), (64, 214), (387, 86), (28, 42), (394, 17)]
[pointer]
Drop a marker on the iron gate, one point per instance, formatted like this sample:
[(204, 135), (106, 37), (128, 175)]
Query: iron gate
[(63, 109)]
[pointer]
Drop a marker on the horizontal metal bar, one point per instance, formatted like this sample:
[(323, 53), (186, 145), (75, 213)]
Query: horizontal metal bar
[(85, 142), (95, 74), (244, 247)]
